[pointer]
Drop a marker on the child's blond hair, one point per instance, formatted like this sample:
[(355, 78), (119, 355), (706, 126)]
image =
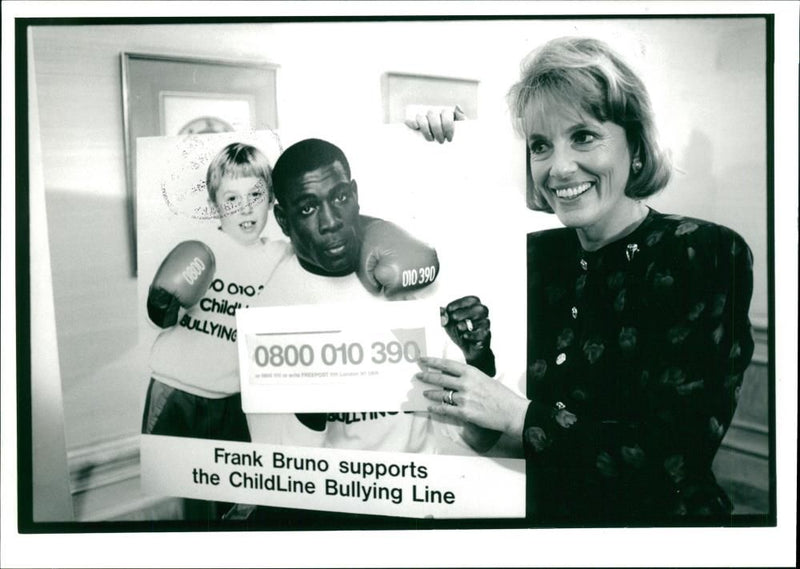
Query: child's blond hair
[(235, 161)]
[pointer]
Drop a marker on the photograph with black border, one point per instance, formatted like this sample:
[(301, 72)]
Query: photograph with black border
[(611, 200)]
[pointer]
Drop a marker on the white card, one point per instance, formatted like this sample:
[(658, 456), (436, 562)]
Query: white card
[(336, 357)]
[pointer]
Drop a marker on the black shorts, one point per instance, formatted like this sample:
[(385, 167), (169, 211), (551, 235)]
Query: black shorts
[(176, 413)]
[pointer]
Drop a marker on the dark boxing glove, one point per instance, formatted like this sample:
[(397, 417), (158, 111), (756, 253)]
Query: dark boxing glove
[(314, 421), (392, 260), (181, 280)]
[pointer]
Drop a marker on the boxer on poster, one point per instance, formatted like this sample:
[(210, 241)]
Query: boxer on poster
[(317, 208)]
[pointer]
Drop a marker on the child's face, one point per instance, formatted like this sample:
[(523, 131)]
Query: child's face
[(243, 207)]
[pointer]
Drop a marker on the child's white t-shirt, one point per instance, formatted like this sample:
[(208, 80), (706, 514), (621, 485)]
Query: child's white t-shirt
[(198, 354)]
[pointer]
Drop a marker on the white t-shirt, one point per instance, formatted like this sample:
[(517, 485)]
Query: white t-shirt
[(421, 432), (198, 354)]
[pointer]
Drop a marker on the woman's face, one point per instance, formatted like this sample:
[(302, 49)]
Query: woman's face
[(580, 166)]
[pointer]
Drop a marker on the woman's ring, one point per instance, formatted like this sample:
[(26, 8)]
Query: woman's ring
[(450, 401), (470, 327)]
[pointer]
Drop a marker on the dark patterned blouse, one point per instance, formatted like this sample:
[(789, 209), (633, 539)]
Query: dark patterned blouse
[(636, 354)]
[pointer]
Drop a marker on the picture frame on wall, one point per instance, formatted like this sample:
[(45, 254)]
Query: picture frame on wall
[(403, 92), (171, 95)]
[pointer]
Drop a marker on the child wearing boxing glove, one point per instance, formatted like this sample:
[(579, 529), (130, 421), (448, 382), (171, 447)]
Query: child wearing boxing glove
[(194, 386)]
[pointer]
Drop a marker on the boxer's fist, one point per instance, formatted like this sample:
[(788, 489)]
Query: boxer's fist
[(181, 280), (466, 321), (392, 261)]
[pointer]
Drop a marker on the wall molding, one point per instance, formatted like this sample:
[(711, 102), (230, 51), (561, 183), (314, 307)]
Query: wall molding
[(761, 340), (751, 436), (748, 438), (103, 463), (743, 460), (105, 484)]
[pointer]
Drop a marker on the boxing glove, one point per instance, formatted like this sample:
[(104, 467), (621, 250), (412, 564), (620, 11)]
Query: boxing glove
[(314, 421), (392, 261), (181, 280)]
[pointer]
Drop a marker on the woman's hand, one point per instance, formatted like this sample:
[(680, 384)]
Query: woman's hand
[(467, 394), (437, 123)]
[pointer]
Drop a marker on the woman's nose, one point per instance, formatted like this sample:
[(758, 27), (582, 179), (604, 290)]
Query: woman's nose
[(563, 163)]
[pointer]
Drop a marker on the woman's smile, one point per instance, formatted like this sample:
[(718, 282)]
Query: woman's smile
[(572, 192)]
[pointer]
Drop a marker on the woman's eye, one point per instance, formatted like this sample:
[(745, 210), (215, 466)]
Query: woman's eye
[(307, 210), (341, 197), (583, 137)]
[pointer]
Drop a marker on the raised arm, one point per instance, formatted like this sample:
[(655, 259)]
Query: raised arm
[(437, 123)]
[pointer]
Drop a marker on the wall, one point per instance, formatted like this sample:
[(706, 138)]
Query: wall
[(707, 84), (49, 456)]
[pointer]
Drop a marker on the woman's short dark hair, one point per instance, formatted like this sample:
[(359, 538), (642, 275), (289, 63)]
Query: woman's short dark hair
[(586, 73)]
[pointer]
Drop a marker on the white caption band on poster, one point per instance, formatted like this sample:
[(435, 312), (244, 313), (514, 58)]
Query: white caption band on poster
[(359, 482), (335, 357)]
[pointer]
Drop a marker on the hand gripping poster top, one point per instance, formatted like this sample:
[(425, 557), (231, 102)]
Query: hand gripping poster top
[(323, 365)]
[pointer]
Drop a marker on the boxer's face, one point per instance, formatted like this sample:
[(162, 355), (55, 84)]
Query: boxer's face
[(320, 216)]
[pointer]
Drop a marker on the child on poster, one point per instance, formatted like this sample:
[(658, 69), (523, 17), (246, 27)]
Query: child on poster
[(194, 386)]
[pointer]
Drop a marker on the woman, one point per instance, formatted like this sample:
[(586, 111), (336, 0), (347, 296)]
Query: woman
[(638, 330)]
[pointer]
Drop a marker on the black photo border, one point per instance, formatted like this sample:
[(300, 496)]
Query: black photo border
[(302, 520)]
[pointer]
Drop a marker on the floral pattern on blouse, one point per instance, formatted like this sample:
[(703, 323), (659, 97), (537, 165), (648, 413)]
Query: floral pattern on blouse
[(636, 354)]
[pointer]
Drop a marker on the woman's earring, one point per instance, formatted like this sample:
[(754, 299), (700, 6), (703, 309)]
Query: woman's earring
[(636, 165)]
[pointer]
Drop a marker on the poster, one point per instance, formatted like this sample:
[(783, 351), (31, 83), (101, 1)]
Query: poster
[(357, 352)]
